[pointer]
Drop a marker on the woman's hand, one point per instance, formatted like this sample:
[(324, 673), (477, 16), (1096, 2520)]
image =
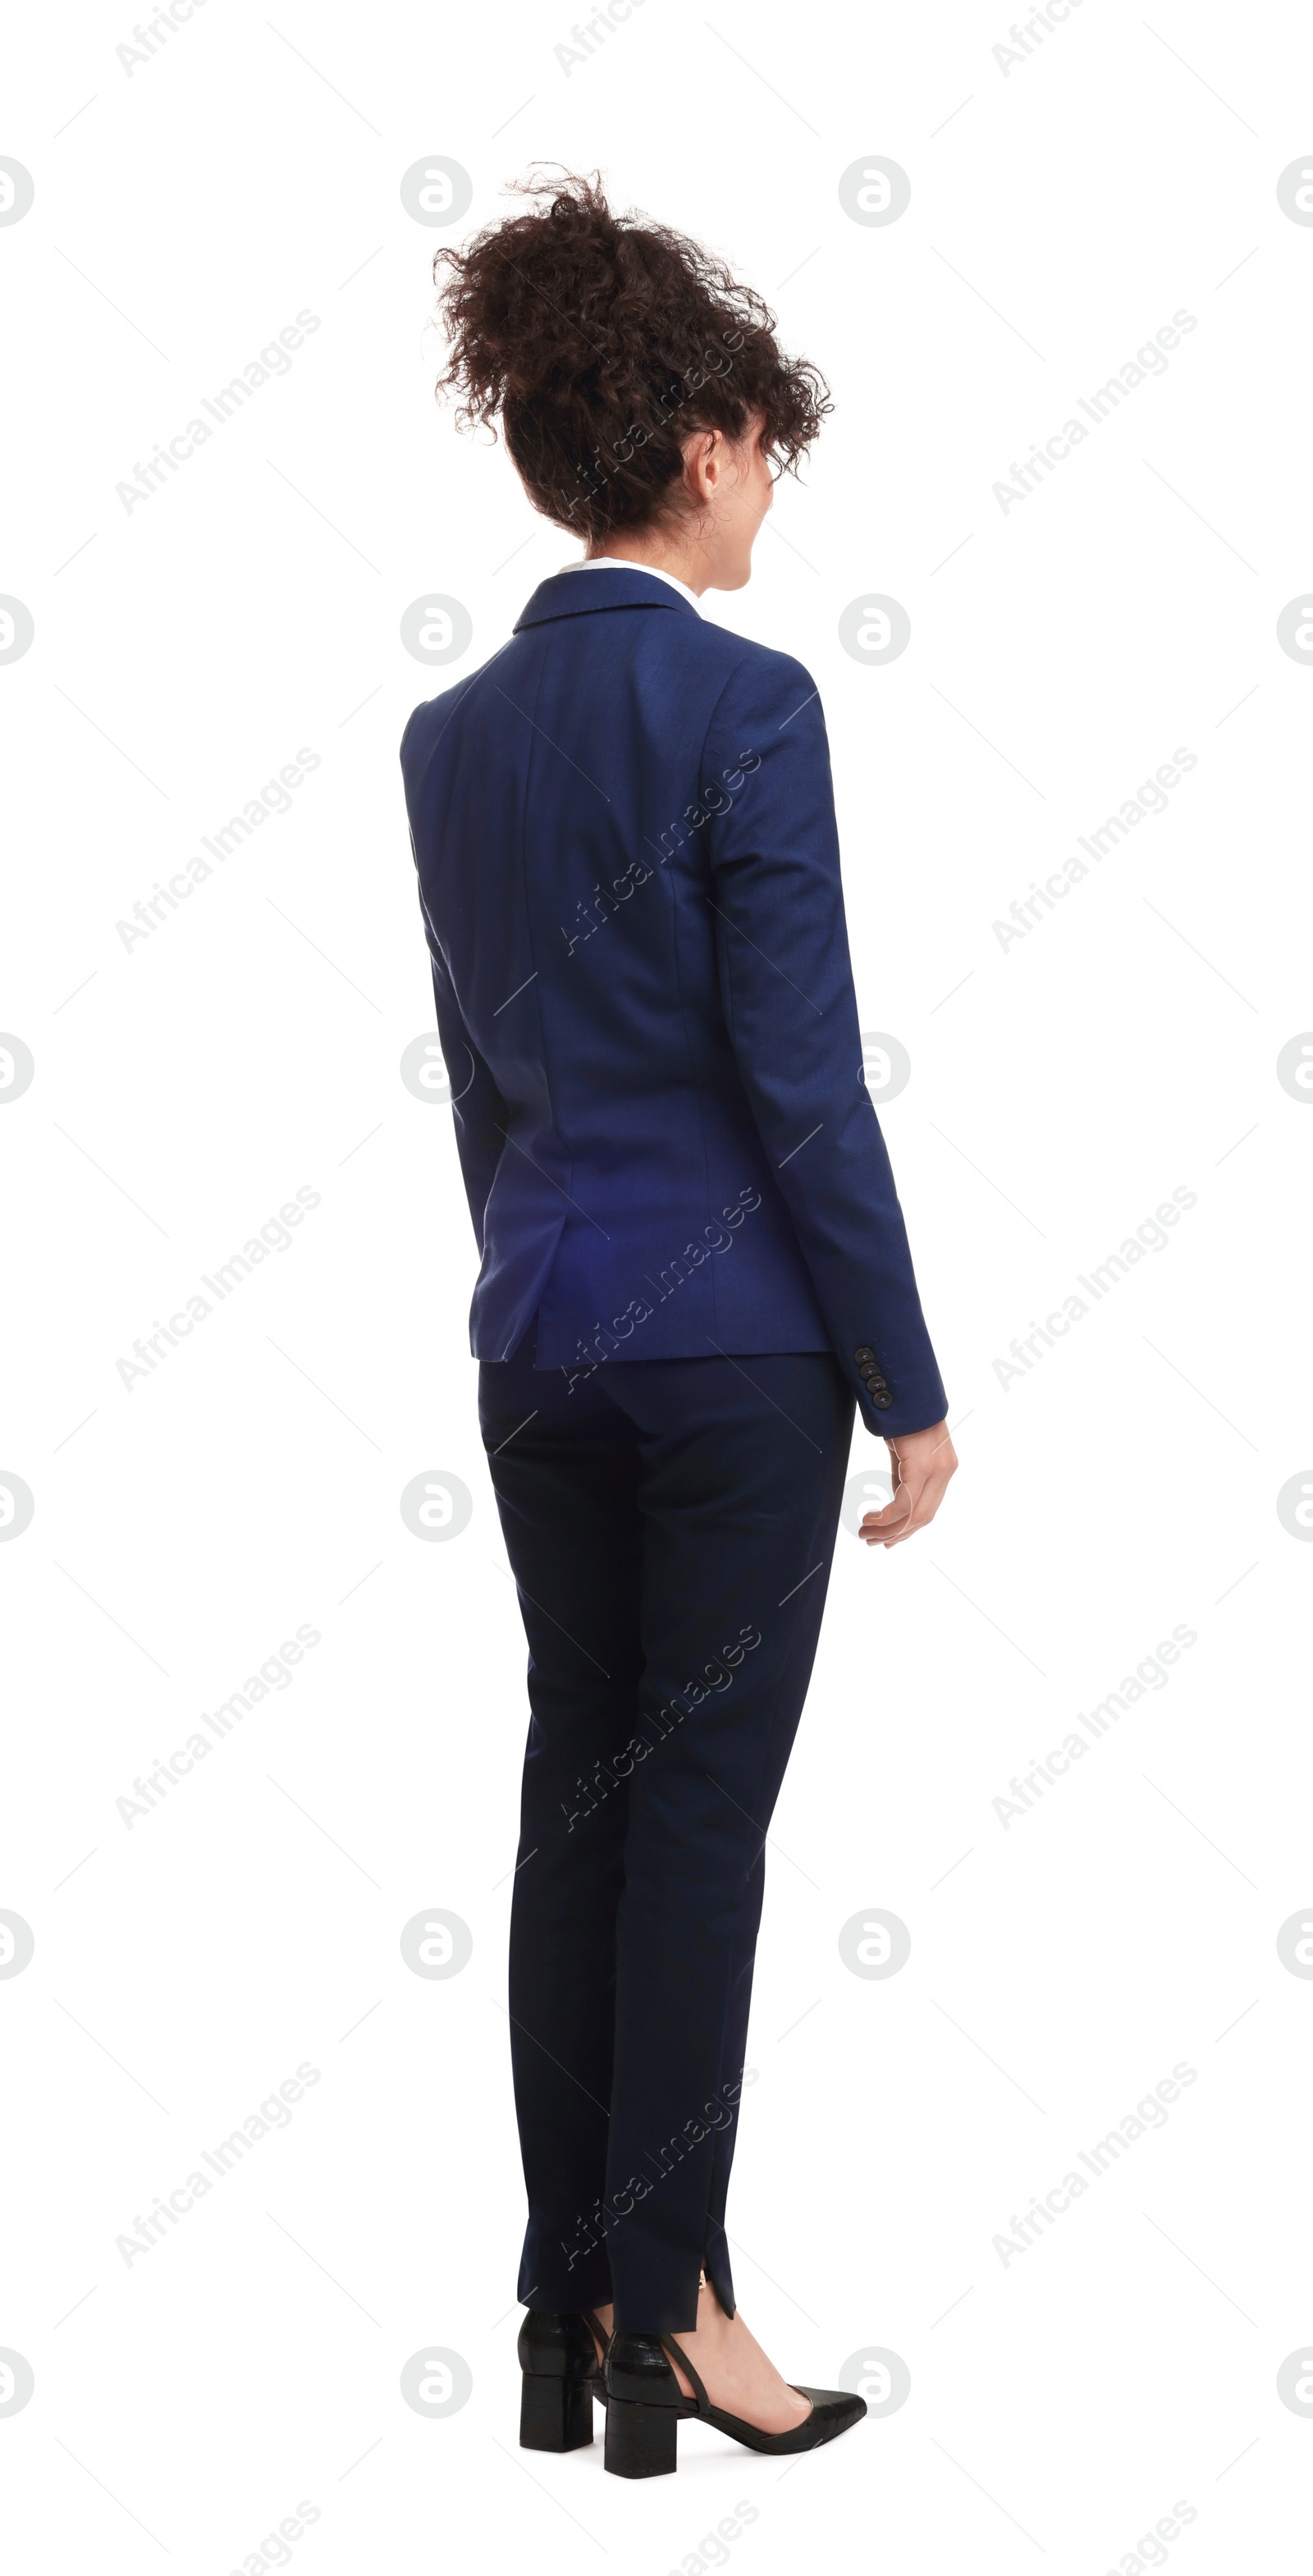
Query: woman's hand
[(923, 1461)]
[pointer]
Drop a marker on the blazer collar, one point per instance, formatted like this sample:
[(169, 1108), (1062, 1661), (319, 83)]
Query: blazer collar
[(567, 594)]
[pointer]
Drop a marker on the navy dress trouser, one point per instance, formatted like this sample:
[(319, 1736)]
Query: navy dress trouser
[(670, 1526)]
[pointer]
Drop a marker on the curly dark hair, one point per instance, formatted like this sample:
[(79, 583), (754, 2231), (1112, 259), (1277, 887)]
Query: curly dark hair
[(601, 341)]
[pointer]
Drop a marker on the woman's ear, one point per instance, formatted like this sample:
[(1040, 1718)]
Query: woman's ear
[(703, 464)]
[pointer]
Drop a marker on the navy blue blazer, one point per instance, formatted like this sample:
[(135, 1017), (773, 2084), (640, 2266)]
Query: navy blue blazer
[(628, 866)]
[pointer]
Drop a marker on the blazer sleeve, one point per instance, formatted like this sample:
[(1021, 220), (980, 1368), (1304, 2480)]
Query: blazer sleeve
[(477, 1107), (787, 993)]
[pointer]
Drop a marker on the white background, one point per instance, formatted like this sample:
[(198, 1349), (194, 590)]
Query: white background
[(1061, 210)]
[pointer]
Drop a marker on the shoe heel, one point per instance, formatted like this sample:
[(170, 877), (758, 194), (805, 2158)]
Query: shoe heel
[(555, 2414), (641, 2441)]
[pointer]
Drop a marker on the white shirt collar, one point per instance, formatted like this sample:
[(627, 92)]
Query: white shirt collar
[(619, 563)]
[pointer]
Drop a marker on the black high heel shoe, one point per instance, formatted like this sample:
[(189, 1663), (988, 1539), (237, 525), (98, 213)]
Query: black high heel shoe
[(646, 2404), (562, 2376)]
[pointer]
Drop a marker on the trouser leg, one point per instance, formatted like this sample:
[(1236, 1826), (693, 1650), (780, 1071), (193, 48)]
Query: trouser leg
[(742, 1468), (797, 1674), (565, 1485)]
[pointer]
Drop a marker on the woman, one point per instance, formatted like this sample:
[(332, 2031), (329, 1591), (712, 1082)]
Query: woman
[(694, 1267)]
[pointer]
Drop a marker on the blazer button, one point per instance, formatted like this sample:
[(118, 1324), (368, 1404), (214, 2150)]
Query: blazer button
[(864, 1355), (881, 1397)]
